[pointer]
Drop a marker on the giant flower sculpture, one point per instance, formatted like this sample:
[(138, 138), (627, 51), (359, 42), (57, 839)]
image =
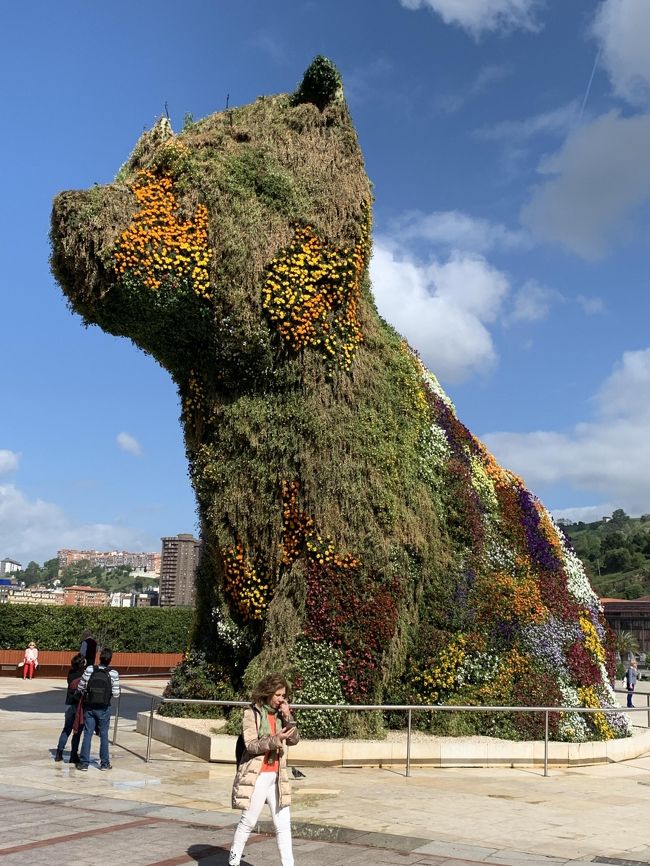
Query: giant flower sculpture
[(356, 533)]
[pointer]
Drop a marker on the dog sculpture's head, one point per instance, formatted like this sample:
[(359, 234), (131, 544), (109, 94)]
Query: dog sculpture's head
[(232, 245)]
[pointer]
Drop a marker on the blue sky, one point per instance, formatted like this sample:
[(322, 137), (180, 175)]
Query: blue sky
[(507, 141)]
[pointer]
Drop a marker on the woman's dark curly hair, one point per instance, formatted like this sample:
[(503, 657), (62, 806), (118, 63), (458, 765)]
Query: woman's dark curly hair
[(267, 687), (78, 662)]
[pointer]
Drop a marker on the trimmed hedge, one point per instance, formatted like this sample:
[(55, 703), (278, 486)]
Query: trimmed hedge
[(125, 629)]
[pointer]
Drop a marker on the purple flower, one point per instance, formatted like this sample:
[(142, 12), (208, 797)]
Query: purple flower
[(549, 640), (539, 548)]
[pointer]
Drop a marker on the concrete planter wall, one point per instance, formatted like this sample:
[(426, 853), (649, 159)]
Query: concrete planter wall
[(432, 752)]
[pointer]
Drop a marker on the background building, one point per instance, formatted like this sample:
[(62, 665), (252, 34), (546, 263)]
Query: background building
[(8, 566), (148, 598), (86, 596), (179, 560), (631, 615), (31, 595), (149, 562)]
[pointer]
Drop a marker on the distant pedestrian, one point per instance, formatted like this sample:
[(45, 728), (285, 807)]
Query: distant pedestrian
[(77, 667), (30, 662), (88, 648), (631, 677), (267, 728), (98, 685)]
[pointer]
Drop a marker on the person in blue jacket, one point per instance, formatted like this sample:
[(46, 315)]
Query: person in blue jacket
[(631, 677)]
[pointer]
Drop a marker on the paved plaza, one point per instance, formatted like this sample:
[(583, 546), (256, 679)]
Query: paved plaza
[(176, 808)]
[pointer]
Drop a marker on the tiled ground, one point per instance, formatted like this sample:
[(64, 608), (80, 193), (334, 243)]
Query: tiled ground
[(507, 816)]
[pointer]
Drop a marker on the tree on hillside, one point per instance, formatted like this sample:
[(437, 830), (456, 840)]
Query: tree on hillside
[(619, 517), (31, 575), (626, 644), (612, 540), (50, 569), (618, 559), (76, 572)]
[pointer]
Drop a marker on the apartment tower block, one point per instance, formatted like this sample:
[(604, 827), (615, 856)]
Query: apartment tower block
[(180, 557)]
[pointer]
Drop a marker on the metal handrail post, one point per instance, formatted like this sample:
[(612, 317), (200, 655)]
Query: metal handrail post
[(408, 745), (150, 732), (117, 716), (546, 742)]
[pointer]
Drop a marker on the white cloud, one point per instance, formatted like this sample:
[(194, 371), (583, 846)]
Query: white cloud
[(35, 529), (608, 455), (441, 308), (485, 78), (557, 121), (586, 513), (597, 181), (622, 28), (457, 230), (129, 444), (591, 306), (479, 16), (8, 461), (533, 302)]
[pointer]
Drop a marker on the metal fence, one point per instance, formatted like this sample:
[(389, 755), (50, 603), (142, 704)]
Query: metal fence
[(407, 709)]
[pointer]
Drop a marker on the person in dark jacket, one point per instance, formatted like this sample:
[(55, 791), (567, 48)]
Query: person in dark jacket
[(77, 667), (88, 647), (97, 707), (631, 677)]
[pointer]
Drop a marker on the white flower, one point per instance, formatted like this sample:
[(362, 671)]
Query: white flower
[(433, 384)]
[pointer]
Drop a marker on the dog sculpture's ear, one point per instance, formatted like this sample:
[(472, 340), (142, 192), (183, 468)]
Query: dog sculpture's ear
[(321, 84)]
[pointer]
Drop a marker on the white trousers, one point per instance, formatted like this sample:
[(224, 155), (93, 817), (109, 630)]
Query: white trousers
[(264, 792)]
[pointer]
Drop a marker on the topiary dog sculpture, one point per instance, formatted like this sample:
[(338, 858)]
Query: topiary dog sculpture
[(355, 532)]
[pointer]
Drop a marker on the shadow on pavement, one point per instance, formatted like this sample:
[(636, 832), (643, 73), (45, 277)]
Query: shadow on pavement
[(37, 702), (217, 856), (133, 700)]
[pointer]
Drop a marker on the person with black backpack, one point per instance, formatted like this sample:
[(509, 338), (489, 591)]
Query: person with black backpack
[(98, 685), (77, 667)]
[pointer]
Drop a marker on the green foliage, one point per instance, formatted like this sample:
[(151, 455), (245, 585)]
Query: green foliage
[(110, 579), (615, 553), (34, 573), (197, 679), (253, 172), (162, 630), (320, 85), (626, 643)]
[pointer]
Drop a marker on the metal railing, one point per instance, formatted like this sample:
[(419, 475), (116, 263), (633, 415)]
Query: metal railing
[(409, 709), (117, 705)]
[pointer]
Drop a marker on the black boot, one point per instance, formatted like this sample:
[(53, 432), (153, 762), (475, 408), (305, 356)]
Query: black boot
[(59, 755), (74, 759)]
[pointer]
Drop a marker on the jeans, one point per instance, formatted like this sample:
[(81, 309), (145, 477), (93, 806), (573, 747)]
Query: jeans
[(92, 717), (70, 712), (264, 792), (630, 692)]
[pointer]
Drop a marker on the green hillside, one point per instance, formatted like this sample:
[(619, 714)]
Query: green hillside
[(615, 552)]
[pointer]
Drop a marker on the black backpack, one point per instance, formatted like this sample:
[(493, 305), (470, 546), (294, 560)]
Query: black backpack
[(99, 690)]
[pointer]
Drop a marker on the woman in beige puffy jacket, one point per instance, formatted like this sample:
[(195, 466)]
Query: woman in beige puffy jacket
[(268, 728)]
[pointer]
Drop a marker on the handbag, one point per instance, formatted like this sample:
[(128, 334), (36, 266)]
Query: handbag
[(78, 723)]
